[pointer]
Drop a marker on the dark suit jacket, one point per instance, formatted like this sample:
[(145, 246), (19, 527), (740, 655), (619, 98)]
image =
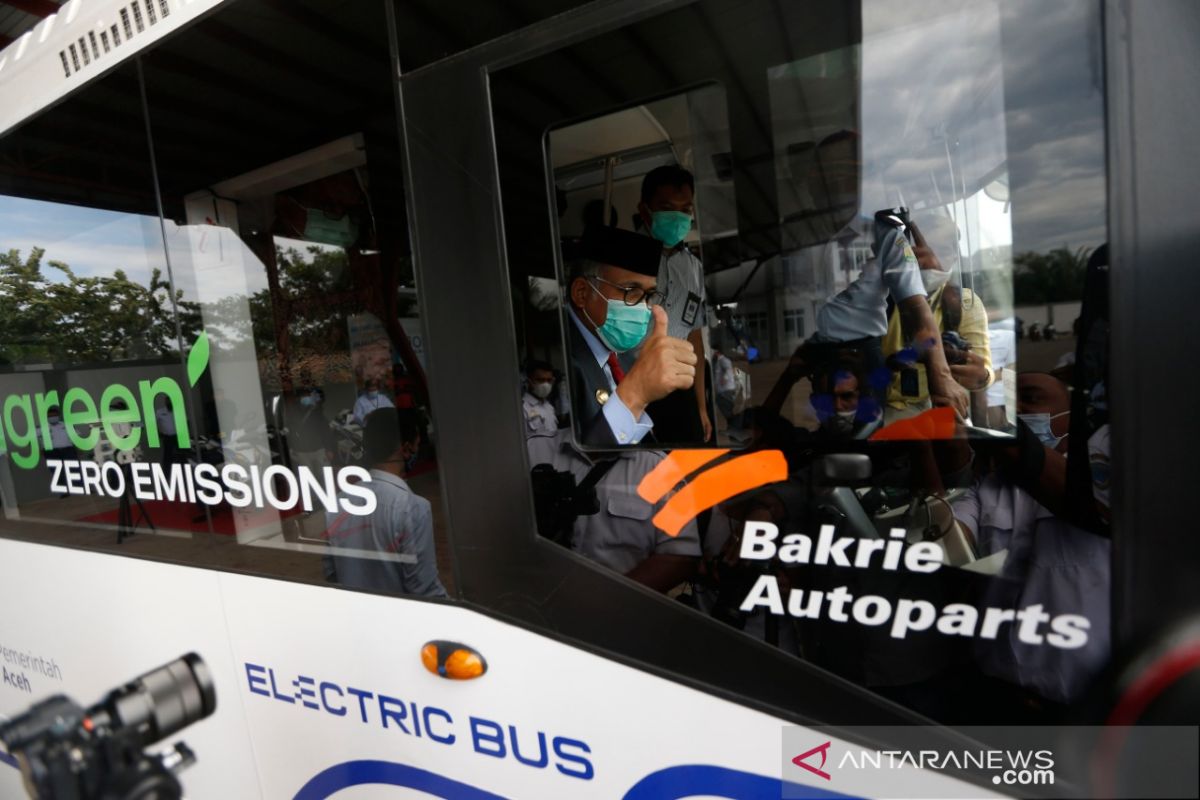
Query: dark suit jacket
[(586, 378)]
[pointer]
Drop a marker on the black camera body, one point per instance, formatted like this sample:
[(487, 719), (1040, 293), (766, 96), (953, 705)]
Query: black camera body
[(559, 501), (896, 218), (67, 752)]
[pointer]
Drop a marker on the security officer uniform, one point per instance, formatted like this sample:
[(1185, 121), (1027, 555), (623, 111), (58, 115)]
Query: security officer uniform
[(622, 535), (681, 279)]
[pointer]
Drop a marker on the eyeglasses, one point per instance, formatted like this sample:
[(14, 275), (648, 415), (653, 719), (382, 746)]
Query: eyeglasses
[(633, 295)]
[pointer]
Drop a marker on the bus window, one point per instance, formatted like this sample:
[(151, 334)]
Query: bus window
[(661, 168), (275, 376), (910, 486), (84, 304)]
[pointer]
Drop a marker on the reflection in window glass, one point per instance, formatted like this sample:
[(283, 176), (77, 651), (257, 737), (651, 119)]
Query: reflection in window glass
[(660, 170), (87, 317), (900, 506), (925, 141), (255, 358)]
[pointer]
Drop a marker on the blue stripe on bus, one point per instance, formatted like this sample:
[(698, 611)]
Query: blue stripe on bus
[(359, 773), (675, 783), (672, 783)]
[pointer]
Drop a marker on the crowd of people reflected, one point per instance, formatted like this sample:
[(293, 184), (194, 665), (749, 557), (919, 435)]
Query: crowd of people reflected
[(902, 416)]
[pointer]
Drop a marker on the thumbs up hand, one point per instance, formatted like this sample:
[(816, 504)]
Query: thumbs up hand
[(664, 365)]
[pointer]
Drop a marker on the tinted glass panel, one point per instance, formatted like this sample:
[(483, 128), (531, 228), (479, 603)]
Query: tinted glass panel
[(896, 506), (85, 303), (280, 176), (241, 380)]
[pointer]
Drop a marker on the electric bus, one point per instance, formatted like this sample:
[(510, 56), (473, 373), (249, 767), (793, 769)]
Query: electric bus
[(309, 310)]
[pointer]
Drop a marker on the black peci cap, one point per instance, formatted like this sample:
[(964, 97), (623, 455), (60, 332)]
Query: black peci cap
[(624, 249)]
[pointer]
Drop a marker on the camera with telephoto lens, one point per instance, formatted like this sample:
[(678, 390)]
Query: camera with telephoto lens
[(66, 752), (558, 501)]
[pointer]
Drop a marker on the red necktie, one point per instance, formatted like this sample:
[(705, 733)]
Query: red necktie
[(614, 366)]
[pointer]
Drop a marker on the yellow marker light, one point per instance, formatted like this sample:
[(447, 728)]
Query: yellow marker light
[(453, 660)]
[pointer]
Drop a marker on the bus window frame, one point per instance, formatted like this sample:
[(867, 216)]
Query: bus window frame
[(449, 167)]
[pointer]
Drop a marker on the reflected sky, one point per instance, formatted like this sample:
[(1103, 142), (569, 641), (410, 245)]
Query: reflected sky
[(1054, 96), (1021, 78), (92, 242)]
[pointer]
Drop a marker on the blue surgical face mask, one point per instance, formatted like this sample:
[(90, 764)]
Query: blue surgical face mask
[(308, 401), (670, 227), (625, 326), (1039, 424)]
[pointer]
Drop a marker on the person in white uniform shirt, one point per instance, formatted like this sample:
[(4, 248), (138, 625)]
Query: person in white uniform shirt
[(541, 417), (724, 384), (61, 446), (667, 212), (372, 399), (1052, 566), (622, 535), (1002, 336), (857, 315), (392, 550)]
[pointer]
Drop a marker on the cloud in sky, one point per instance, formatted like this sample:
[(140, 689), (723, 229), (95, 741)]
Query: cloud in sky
[(92, 242)]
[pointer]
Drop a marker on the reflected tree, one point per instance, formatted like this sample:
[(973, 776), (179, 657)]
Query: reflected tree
[(1053, 277), (67, 318)]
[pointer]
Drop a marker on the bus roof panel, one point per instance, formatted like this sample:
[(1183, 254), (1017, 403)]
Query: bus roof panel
[(83, 41)]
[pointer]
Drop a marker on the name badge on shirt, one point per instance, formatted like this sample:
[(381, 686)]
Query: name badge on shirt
[(691, 309)]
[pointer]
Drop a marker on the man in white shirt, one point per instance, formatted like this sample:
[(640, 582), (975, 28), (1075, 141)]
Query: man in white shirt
[(61, 446), (1002, 338), (541, 419), (668, 211), (857, 315), (372, 399), (1052, 567), (724, 385)]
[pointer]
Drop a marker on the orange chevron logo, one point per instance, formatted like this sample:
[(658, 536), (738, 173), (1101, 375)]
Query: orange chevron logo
[(709, 488)]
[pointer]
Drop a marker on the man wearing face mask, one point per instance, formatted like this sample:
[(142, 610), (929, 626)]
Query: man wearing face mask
[(392, 550), (309, 436), (955, 308), (372, 399), (857, 315), (540, 416), (1052, 566), (844, 410), (613, 310), (667, 211)]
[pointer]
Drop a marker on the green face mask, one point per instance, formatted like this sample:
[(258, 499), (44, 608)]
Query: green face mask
[(625, 326), (670, 227)]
